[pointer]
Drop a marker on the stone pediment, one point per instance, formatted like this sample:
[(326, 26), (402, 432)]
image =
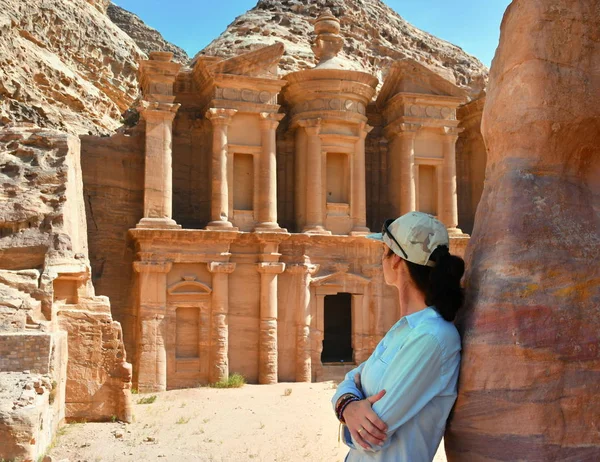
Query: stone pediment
[(261, 63), (408, 76), (340, 278), (189, 286)]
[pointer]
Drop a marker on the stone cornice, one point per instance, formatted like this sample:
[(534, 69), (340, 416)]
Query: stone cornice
[(270, 267), (221, 267)]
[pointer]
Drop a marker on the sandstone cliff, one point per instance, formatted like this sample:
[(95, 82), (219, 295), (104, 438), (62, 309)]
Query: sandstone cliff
[(147, 38), (374, 34), (529, 378), (64, 64)]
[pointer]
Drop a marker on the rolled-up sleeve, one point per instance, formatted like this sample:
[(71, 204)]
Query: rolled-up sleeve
[(349, 386)]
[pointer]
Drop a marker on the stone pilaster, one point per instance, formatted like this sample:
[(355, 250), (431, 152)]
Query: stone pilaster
[(220, 218), (402, 170), (151, 361), (315, 202), (302, 275), (267, 174), (158, 172), (219, 321), (267, 363), (449, 215), (358, 210)]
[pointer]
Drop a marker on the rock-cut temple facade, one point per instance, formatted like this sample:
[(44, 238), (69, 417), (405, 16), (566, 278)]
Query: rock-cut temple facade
[(248, 254)]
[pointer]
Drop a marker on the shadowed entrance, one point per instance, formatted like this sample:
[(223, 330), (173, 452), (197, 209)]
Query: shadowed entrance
[(337, 341)]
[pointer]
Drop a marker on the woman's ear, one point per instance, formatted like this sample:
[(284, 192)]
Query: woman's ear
[(397, 261)]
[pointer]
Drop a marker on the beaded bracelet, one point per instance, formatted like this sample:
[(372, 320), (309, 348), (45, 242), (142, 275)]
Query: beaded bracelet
[(343, 403)]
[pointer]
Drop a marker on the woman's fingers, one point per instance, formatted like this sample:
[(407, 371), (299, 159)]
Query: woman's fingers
[(372, 416), (373, 399), (372, 434), (358, 439)]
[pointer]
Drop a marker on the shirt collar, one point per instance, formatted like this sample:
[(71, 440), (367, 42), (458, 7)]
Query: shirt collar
[(414, 319)]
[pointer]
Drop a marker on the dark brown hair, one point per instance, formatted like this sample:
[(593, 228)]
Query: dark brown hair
[(440, 284)]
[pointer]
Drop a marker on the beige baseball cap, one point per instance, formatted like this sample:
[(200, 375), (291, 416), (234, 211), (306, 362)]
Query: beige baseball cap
[(413, 237)]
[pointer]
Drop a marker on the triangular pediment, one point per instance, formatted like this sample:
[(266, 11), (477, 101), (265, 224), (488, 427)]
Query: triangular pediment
[(261, 63), (408, 76)]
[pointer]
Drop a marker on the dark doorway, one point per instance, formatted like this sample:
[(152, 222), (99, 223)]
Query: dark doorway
[(337, 340)]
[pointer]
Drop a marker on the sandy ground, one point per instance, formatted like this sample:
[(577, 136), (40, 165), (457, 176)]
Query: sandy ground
[(283, 422)]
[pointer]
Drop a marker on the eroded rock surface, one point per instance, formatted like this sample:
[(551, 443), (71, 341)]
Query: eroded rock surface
[(374, 34), (65, 65), (529, 384)]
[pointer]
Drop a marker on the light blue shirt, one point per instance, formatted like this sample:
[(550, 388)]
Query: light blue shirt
[(417, 363)]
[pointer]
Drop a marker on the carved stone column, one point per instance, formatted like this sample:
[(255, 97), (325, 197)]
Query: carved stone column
[(402, 170), (151, 361), (220, 118), (267, 173), (359, 193), (449, 215), (219, 321), (314, 178), (267, 367), (302, 275), (158, 172), (300, 166)]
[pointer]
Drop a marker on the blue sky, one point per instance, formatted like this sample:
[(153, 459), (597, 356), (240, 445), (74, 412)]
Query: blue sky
[(474, 25)]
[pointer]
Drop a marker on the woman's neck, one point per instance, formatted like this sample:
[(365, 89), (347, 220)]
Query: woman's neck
[(411, 300)]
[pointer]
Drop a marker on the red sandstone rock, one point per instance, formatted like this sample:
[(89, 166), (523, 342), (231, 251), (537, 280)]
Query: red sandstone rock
[(530, 380)]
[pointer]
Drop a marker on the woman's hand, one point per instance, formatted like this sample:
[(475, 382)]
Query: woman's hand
[(364, 424)]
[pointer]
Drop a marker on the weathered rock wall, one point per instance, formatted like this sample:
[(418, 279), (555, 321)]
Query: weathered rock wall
[(471, 160), (65, 65), (113, 178), (32, 402), (45, 292), (529, 383)]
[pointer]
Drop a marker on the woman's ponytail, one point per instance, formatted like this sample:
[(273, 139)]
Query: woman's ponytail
[(441, 283)]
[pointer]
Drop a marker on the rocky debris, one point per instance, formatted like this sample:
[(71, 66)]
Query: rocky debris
[(374, 36), (147, 38), (529, 381), (65, 65)]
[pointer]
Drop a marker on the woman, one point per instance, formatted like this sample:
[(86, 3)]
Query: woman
[(394, 406)]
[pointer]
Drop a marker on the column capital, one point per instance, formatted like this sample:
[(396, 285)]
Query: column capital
[(302, 268), (271, 267), (312, 126), (407, 130), (270, 120), (220, 267), (156, 111), (220, 116), (152, 266), (452, 131), (363, 130)]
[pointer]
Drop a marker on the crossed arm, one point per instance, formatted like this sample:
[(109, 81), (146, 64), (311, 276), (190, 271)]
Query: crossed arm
[(411, 380)]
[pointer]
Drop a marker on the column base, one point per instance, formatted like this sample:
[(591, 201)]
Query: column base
[(456, 232), (221, 225), (269, 227), (158, 223), (318, 229), (360, 231)]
